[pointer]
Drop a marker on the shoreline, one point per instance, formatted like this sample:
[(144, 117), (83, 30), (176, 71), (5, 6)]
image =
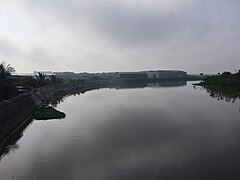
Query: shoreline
[(16, 110)]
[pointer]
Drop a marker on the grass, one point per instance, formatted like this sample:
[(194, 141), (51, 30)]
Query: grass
[(47, 112)]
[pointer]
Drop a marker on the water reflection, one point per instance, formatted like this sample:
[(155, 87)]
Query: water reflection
[(224, 95), (137, 133), (131, 84), (10, 136), (60, 97), (9, 144), (218, 94)]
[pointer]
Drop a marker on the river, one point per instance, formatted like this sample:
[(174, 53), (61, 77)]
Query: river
[(131, 133)]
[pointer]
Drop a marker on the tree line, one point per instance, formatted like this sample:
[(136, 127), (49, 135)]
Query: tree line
[(6, 84), (9, 84), (224, 81)]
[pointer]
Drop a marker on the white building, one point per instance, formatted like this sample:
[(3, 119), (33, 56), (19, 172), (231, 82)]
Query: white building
[(152, 74), (166, 74)]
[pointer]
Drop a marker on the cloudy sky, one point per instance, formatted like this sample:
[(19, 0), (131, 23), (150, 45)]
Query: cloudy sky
[(120, 35)]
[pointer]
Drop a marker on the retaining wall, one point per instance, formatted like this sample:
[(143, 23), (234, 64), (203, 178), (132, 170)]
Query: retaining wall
[(14, 111)]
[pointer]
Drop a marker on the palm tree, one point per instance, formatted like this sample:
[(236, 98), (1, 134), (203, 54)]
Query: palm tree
[(5, 72), (6, 87), (54, 79), (41, 78)]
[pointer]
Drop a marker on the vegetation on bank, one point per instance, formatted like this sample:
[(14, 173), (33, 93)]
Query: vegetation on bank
[(11, 85), (7, 89), (225, 82), (47, 112), (40, 80), (225, 86)]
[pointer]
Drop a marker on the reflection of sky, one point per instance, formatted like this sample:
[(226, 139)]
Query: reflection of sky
[(174, 133)]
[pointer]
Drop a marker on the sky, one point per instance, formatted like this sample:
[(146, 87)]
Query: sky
[(120, 35)]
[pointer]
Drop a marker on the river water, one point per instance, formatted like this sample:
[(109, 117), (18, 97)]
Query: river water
[(131, 133)]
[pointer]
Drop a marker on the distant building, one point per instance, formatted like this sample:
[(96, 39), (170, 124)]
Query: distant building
[(160, 74), (152, 74), (166, 74), (44, 72), (65, 73), (133, 75)]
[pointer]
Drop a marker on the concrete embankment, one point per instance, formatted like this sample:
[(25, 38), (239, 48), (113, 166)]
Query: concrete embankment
[(15, 111)]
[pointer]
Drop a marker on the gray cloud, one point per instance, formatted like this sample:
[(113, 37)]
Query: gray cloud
[(7, 47), (36, 56), (99, 35), (116, 20)]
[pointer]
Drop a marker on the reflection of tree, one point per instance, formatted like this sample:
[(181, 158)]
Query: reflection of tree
[(220, 94), (223, 95), (10, 148), (9, 144), (225, 86), (61, 96)]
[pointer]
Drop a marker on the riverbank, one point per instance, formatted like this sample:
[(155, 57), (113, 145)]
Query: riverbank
[(47, 112), (225, 81), (223, 86), (105, 128), (14, 111)]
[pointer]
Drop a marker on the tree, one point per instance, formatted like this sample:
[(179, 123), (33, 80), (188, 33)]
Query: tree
[(6, 87), (5, 72), (30, 83), (41, 79), (54, 79)]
